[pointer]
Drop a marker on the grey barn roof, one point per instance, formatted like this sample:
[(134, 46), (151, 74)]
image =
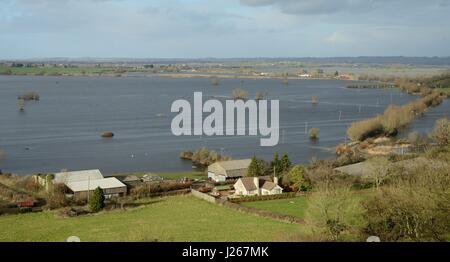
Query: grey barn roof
[(232, 168), (75, 176)]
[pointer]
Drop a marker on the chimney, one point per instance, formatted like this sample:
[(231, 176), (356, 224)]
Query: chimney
[(256, 182), (275, 180)]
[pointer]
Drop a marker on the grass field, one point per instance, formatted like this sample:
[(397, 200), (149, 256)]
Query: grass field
[(290, 206), (297, 206), (181, 218)]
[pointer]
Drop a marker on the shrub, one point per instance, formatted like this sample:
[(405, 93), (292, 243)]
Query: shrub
[(239, 93), (296, 179), (441, 132), (414, 207), (204, 157), (333, 212), (186, 155), (97, 200), (393, 118), (215, 81), (29, 96), (259, 95), (314, 133), (153, 188), (359, 131), (56, 197)]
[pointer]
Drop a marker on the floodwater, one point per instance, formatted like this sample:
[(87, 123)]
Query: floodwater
[(61, 131)]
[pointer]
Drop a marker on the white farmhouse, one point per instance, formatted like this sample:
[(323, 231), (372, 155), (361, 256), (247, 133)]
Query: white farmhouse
[(257, 186)]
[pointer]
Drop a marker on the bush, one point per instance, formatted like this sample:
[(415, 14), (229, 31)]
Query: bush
[(204, 157), (393, 118), (153, 188), (186, 155), (239, 94), (333, 212), (296, 180), (56, 197), (259, 96), (414, 207), (441, 132), (314, 133), (359, 131), (29, 96), (97, 200), (262, 198)]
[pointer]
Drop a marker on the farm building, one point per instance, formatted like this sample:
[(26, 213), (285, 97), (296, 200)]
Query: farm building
[(130, 180), (76, 176), (223, 170), (111, 187), (264, 185)]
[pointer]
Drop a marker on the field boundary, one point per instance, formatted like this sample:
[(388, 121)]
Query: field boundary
[(249, 210)]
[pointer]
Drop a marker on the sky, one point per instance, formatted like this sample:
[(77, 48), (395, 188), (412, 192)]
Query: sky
[(223, 28)]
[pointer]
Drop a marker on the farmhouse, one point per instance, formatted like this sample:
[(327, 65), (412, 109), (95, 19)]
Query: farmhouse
[(223, 170), (257, 186), (111, 187)]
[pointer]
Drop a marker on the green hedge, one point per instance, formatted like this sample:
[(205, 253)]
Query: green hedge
[(262, 198)]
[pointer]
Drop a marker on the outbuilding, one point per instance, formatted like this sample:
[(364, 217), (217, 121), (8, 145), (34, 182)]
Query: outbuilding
[(233, 169), (111, 187)]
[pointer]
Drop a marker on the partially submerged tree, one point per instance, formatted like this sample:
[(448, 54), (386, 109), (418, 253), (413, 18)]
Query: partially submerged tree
[(314, 133), (21, 104), (259, 95), (239, 93)]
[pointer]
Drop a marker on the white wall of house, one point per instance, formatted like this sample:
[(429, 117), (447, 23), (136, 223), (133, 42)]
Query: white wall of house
[(216, 178)]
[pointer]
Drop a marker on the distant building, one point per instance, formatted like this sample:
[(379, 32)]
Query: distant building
[(257, 186), (346, 77), (130, 180), (233, 169), (304, 76), (111, 187)]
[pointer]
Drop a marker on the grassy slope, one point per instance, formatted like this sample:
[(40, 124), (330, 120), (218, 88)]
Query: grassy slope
[(298, 206), (181, 218), (291, 206)]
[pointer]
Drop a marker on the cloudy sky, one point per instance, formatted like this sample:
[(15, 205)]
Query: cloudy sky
[(223, 28)]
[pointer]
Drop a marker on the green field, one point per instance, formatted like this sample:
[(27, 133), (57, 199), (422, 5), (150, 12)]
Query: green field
[(290, 206), (181, 218)]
